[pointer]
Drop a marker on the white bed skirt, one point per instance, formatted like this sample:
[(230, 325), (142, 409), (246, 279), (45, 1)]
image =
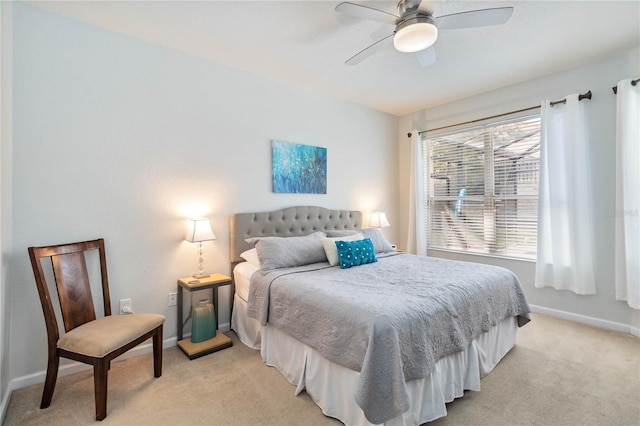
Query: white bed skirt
[(332, 387), (249, 330)]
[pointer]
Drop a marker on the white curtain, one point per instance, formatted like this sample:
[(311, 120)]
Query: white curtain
[(627, 213), (416, 240), (565, 237)]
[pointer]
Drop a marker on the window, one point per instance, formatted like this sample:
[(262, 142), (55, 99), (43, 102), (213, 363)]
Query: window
[(481, 188)]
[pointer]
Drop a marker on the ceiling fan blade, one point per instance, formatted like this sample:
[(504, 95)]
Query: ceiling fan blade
[(365, 53), (474, 18), (426, 57), (366, 12)]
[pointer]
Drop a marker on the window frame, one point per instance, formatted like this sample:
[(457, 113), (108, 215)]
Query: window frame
[(489, 198)]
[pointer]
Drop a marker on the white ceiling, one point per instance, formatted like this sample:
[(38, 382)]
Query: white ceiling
[(305, 43)]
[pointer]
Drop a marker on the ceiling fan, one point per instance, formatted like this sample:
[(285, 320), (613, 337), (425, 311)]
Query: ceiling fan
[(416, 28)]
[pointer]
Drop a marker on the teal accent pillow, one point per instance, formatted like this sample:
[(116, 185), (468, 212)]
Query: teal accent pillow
[(355, 253)]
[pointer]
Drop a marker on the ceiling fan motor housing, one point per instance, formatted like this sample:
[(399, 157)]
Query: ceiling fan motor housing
[(406, 6)]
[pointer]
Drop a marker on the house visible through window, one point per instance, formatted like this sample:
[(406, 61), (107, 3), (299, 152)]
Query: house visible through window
[(481, 188)]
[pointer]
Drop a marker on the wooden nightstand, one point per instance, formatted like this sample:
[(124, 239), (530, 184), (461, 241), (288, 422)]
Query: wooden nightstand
[(220, 341)]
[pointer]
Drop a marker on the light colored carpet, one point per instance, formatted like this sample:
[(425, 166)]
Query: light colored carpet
[(559, 373)]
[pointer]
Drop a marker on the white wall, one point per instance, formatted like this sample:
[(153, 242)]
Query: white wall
[(5, 196), (122, 139), (598, 77)]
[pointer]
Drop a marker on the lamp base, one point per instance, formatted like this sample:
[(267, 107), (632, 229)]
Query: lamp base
[(201, 275)]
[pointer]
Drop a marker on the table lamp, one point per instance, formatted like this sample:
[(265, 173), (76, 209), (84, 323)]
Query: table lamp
[(378, 220), (199, 230)]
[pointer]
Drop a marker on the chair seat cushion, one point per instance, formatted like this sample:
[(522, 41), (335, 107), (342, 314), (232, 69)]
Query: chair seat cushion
[(104, 335)]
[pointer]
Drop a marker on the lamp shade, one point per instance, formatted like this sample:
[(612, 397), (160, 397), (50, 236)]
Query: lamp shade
[(415, 34), (199, 230), (378, 220)]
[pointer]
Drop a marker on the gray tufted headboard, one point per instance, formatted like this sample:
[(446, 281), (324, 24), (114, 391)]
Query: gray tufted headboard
[(289, 222)]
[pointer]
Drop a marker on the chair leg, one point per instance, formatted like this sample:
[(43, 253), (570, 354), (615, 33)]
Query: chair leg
[(157, 353), (50, 381), (100, 371)]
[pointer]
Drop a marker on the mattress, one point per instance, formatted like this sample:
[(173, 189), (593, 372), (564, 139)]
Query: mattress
[(242, 278)]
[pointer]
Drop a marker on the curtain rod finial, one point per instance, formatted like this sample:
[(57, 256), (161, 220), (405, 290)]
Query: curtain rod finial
[(409, 134), (585, 96)]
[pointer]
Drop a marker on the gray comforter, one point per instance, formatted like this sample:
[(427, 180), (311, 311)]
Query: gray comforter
[(391, 320)]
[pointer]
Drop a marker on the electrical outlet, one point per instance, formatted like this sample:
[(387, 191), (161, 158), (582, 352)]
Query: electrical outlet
[(125, 306), (173, 299)]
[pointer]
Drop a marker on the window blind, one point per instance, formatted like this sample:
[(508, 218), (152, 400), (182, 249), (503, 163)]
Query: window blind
[(481, 188)]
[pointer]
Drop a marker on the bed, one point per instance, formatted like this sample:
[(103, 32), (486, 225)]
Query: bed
[(383, 338)]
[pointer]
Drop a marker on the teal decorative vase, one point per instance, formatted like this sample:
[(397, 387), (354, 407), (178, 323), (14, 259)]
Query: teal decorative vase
[(203, 326)]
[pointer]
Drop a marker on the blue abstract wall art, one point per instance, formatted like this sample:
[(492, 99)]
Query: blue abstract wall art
[(299, 169)]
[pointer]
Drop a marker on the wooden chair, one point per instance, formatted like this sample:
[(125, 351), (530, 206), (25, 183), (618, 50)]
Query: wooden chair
[(87, 339)]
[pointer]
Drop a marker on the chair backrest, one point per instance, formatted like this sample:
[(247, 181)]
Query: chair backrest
[(72, 282)]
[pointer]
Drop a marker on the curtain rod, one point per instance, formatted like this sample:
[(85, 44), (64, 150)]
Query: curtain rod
[(580, 97), (562, 101), (633, 83)]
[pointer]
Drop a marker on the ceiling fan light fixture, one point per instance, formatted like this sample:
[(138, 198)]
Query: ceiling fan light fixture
[(415, 34)]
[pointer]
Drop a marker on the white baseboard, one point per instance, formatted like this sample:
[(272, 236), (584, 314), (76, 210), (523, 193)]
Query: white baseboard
[(71, 368), (75, 367), (4, 404), (595, 322)]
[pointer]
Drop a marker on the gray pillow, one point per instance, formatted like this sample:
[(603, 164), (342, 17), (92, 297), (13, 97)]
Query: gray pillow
[(380, 242), (342, 233), (286, 252)]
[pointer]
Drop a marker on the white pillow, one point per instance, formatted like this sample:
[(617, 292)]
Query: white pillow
[(331, 250), (251, 256)]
